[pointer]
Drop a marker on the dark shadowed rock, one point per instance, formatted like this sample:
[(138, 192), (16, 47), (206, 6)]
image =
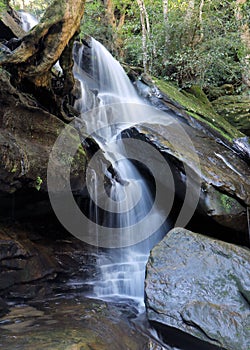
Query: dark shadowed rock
[(22, 261), (200, 286), (3, 307), (27, 135)]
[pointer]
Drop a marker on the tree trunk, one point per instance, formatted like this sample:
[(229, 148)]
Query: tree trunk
[(165, 18), (36, 53), (245, 38), (194, 23), (145, 32), (190, 11), (110, 13)]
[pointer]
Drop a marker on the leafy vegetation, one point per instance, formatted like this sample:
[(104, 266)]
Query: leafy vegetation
[(36, 7), (189, 41), (204, 49), (2, 5)]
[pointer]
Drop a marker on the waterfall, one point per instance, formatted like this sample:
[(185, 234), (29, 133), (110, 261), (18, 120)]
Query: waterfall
[(121, 271), (108, 105), (28, 21)]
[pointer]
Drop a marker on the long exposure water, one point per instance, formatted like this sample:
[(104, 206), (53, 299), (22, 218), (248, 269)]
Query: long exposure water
[(121, 266), (121, 271)]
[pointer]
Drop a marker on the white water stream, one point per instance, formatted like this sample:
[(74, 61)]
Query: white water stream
[(121, 271)]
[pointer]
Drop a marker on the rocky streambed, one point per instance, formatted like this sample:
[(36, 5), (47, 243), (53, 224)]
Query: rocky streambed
[(74, 323)]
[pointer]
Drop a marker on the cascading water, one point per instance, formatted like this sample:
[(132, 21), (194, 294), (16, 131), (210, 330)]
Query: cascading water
[(122, 271), (28, 21)]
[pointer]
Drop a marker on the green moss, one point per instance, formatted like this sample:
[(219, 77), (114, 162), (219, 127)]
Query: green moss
[(197, 105), (227, 203), (14, 169), (236, 110), (38, 184)]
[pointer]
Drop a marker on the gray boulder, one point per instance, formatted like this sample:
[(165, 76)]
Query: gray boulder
[(200, 286)]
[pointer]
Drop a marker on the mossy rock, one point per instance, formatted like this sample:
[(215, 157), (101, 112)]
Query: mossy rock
[(197, 106), (236, 110), (214, 92)]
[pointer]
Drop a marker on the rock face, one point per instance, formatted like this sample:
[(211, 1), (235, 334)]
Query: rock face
[(220, 175), (35, 262), (200, 286), (22, 261), (193, 108), (27, 135)]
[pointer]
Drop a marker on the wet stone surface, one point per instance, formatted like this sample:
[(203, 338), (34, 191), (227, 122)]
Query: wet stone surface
[(200, 286), (74, 324)]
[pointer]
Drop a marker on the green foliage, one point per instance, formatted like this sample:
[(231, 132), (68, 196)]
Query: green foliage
[(204, 56), (205, 49), (3, 5), (35, 7), (93, 23)]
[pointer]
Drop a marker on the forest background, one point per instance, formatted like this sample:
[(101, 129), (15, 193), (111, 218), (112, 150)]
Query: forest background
[(190, 42)]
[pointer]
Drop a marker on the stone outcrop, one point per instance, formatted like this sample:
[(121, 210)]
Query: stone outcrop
[(73, 324), (220, 175), (34, 263), (200, 286), (193, 107)]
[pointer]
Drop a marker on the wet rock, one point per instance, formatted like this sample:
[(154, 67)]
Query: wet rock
[(28, 134), (73, 324), (200, 286), (191, 106), (3, 307), (37, 263), (221, 177), (22, 261)]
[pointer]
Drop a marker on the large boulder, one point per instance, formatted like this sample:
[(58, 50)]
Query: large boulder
[(222, 173), (222, 177), (200, 286)]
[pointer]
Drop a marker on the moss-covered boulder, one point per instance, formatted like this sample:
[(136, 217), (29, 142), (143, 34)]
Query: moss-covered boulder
[(199, 287), (236, 110), (196, 105), (193, 107)]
